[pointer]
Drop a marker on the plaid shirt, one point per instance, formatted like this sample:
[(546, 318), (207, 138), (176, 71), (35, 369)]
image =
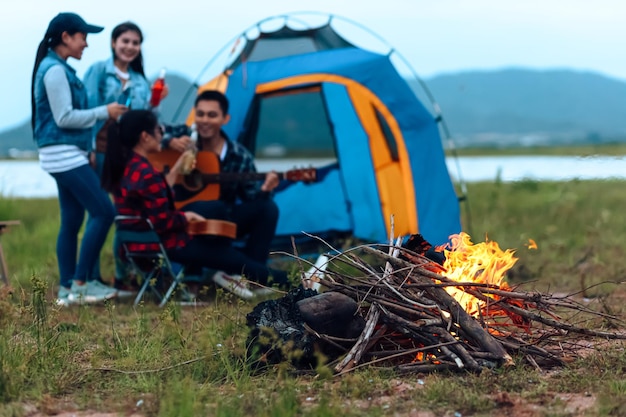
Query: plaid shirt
[(237, 159), (144, 192)]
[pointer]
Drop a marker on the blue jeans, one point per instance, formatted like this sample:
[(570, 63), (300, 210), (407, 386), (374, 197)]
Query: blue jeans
[(256, 221), (80, 191), (218, 253), (121, 268)]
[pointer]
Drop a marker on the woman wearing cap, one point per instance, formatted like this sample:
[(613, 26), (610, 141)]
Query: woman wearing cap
[(62, 125), (120, 78)]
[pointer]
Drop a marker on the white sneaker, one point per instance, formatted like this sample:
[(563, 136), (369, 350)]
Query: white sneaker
[(234, 284), (90, 292), (260, 291), (63, 297), (97, 288), (311, 278), (78, 295)]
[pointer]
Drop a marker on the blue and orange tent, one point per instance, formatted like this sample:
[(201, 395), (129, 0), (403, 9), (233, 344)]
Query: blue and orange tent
[(310, 93)]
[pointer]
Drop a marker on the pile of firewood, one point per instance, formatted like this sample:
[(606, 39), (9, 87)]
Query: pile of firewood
[(411, 323)]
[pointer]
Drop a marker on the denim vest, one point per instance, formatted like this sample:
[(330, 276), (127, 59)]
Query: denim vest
[(46, 131), (103, 87)]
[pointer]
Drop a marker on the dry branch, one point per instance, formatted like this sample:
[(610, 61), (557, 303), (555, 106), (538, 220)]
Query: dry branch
[(415, 325)]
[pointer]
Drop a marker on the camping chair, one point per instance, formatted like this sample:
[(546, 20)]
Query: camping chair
[(151, 266)]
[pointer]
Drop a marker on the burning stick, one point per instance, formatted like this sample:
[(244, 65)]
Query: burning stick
[(476, 343), (469, 325), (421, 316)]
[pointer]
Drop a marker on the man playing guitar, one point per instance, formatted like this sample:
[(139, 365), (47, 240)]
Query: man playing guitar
[(249, 204)]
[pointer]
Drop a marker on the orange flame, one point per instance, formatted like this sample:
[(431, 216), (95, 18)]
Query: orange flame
[(531, 244), (483, 263)]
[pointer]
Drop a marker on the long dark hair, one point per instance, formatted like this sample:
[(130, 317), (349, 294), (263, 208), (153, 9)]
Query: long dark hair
[(123, 136), (137, 63), (52, 39)]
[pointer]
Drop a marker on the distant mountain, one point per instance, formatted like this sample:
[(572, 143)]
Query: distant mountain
[(515, 107), (18, 137), (516, 101)]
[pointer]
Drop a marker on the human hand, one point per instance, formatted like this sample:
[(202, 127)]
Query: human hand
[(180, 144), (271, 181), (192, 216), (116, 110), (182, 160), (165, 91)]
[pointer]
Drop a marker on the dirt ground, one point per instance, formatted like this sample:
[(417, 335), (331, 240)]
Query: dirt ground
[(508, 405)]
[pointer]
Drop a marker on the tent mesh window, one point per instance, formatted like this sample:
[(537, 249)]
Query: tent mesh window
[(389, 138), (288, 42), (291, 124)]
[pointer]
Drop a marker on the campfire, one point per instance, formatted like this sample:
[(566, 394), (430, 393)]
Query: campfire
[(419, 309), (484, 263)]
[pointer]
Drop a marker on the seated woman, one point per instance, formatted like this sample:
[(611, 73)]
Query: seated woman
[(139, 190)]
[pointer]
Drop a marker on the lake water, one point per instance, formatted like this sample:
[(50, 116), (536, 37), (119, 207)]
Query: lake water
[(26, 179)]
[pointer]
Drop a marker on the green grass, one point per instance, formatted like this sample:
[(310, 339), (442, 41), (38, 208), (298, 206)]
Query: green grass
[(612, 149), (578, 227), (185, 361)]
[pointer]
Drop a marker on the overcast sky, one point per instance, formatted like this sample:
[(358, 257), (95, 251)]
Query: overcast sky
[(436, 37)]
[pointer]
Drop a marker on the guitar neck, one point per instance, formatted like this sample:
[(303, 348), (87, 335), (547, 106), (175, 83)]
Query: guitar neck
[(236, 177)]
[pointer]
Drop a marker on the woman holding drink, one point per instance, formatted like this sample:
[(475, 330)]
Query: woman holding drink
[(62, 125), (120, 78)]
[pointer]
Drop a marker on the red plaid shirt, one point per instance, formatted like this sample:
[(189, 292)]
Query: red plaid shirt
[(144, 192)]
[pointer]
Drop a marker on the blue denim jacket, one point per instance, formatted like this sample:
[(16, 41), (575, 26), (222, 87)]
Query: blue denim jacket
[(46, 131), (104, 87)]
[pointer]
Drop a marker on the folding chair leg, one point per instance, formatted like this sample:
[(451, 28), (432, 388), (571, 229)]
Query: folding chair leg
[(142, 290), (175, 282), (147, 284)]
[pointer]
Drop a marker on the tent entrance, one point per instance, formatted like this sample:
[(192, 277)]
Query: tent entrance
[(291, 123), (320, 122)]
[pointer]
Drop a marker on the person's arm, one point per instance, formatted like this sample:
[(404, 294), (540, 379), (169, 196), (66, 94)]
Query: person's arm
[(154, 195), (176, 170), (176, 138), (180, 144), (60, 99)]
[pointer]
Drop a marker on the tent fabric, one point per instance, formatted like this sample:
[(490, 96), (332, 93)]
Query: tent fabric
[(352, 148), (390, 160), (287, 41)]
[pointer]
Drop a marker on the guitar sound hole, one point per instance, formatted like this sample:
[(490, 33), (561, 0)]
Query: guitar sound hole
[(193, 180)]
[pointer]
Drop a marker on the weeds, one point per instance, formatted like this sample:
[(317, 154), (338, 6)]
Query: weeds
[(187, 361)]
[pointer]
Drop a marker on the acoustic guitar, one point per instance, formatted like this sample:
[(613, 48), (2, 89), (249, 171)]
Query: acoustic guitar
[(212, 227), (203, 183)]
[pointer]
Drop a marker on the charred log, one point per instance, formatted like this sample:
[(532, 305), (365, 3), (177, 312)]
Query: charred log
[(397, 312)]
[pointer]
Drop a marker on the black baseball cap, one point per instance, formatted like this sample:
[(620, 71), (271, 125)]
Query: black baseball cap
[(71, 22)]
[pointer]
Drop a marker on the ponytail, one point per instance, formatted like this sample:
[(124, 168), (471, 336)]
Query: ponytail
[(115, 159), (51, 40), (42, 50)]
